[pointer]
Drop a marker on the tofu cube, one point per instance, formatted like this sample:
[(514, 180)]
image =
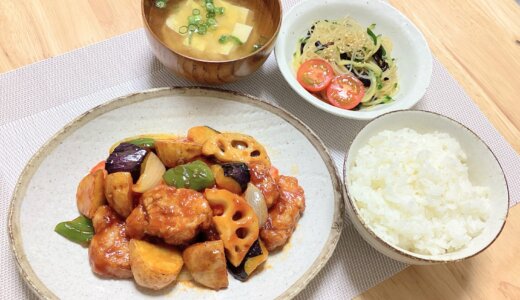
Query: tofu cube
[(173, 23), (242, 32), (226, 48), (243, 14), (233, 11), (179, 19)]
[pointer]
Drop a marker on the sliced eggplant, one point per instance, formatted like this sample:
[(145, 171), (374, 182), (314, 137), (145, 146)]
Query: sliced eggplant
[(233, 177), (256, 255), (126, 158), (239, 172), (224, 182)]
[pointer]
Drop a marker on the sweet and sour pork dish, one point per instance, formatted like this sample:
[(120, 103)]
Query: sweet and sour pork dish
[(210, 202)]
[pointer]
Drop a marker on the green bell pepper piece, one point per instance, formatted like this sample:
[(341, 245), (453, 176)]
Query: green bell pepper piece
[(143, 142), (79, 230), (195, 175)]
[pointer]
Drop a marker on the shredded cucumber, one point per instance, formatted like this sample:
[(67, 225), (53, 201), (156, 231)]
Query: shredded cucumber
[(370, 92)]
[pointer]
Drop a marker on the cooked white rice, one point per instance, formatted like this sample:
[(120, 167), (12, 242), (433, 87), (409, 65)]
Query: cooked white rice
[(413, 190)]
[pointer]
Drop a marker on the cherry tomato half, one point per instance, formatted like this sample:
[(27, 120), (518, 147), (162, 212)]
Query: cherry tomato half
[(315, 75), (345, 91)]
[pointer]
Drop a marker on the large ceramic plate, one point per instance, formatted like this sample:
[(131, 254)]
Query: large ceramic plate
[(45, 195)]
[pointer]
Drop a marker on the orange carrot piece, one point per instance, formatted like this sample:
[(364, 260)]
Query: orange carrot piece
[(99, 166)]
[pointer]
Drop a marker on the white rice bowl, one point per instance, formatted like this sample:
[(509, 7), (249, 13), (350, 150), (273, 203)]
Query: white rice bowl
[(413, 190)]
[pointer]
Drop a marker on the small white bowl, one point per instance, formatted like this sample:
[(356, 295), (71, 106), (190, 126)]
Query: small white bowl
[(412, 54), (483, 167)]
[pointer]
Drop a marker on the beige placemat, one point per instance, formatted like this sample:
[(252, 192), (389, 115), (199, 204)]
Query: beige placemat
[(36, 101)]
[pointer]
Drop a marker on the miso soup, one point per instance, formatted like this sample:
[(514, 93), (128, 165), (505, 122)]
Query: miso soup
[(215, 30)]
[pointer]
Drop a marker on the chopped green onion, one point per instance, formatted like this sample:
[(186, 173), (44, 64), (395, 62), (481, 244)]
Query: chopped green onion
[(195, 19), (183, 29), (226, 38), (383, 51), (160, 3), (211, 21), (236, 40), (202, 29), (257, 46), (372, 35), (196, 22)]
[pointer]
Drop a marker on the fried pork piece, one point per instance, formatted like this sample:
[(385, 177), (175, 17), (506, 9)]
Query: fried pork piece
[(176, 215), (211, 234), (109, 253), (136, 223), (285, 213), (262, 179), (90, 194), (104, 217)]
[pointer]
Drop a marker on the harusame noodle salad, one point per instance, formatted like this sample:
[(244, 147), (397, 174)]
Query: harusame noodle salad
[(346, 65)]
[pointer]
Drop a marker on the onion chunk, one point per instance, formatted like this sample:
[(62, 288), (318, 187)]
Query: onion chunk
[(255, 199)]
